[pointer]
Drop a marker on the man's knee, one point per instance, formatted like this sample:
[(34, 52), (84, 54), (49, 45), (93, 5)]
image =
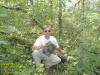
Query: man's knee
[(58, 60), (35, 53)]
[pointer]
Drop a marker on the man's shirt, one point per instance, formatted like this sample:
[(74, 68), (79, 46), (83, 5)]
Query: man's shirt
[(42, 40)]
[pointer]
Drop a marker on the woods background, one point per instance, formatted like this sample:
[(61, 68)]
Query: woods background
[(75, 24)]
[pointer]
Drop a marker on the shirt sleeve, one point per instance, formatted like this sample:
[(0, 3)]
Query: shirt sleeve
[(55, 42), (37, 42)]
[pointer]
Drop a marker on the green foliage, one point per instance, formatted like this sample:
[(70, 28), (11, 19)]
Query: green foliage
[(69, 0), (21, 23)]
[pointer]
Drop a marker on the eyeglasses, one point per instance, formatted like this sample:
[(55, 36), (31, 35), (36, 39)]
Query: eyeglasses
[(47, 31)]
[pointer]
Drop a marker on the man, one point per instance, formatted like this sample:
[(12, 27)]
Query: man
[(38, 46)]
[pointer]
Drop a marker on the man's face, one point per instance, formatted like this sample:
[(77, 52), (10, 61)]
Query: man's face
[(47, 32)]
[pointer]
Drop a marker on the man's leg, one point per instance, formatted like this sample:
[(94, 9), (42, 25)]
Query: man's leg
[(52, 60), (36, 56)]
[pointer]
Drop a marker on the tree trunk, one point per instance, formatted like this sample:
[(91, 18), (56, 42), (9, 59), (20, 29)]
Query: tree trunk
[(83, 7), (60, 18)]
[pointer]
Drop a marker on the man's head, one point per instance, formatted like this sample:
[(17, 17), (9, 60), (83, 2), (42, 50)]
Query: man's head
[(47, 31)]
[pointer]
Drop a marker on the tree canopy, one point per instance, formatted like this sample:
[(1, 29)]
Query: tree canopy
[(75, 24)]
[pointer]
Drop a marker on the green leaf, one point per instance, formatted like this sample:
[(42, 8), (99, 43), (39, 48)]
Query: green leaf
[(10, 29), (3, 42), (69, 0), (3, 15)]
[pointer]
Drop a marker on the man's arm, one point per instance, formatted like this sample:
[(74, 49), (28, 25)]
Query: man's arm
[(38, 47), (60, 50)]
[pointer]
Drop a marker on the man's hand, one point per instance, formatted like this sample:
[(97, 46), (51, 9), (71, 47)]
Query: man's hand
[(38, 47), (63, 52), (44, 44)]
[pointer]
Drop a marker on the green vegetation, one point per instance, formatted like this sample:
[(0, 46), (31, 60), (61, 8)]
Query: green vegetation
[(77, 30)]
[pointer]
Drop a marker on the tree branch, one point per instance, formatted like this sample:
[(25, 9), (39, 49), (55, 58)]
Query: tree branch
[(13, 8)]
